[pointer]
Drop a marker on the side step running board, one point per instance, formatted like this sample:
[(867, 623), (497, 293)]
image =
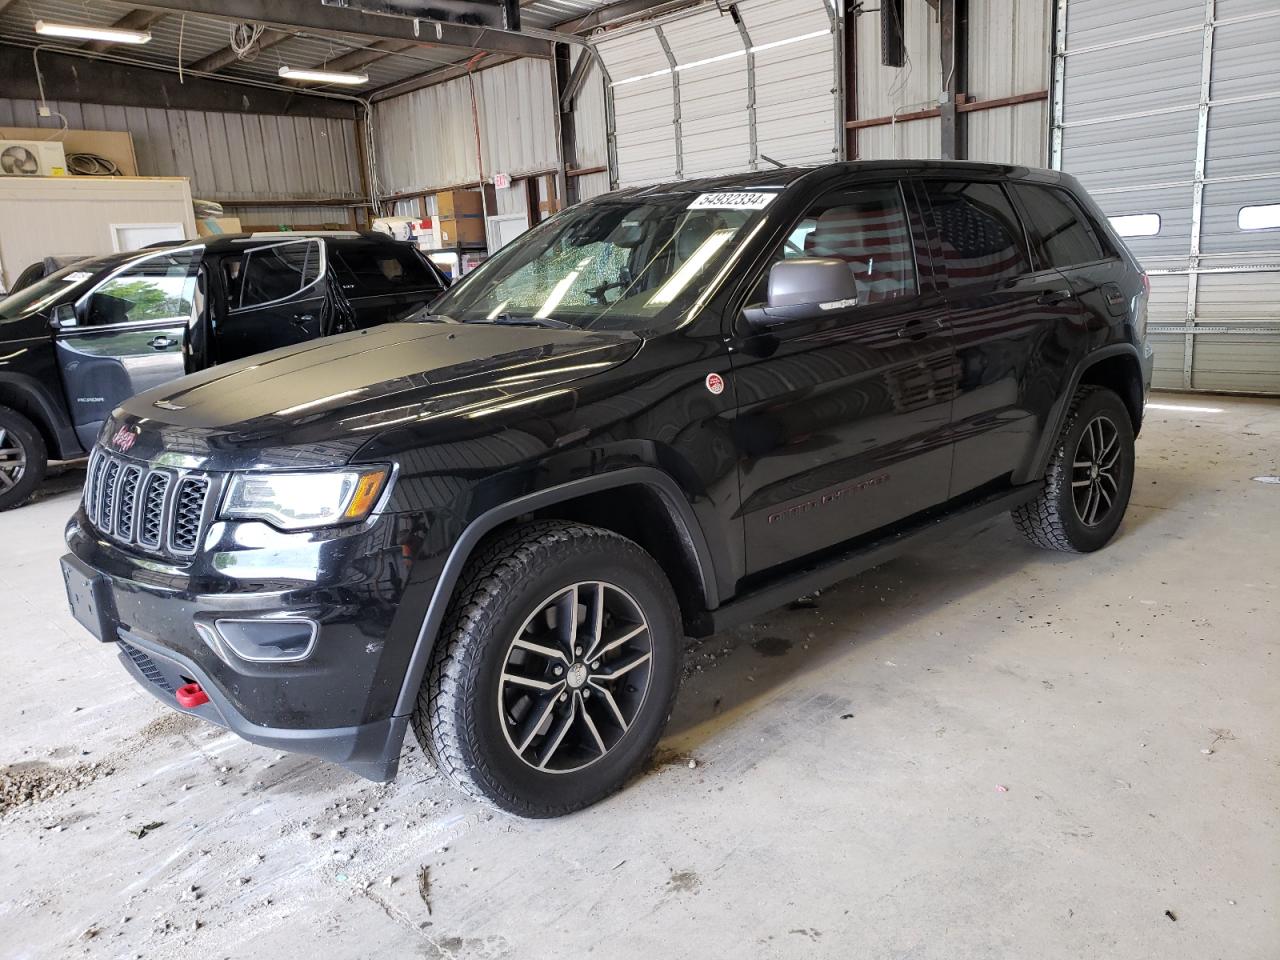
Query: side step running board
[(752, 605)]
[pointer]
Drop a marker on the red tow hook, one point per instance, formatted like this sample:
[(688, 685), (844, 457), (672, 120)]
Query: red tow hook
[(191, 695)]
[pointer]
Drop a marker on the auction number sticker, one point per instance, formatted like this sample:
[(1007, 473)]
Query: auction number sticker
[(732, 201)]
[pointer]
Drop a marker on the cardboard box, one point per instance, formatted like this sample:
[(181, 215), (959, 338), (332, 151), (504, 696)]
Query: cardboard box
[(548, 207), (111, 145), (456, 204), (212, 226), (461, 230)]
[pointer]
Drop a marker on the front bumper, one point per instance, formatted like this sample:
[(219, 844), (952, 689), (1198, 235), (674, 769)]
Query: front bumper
[(371, 750), (338, 701)]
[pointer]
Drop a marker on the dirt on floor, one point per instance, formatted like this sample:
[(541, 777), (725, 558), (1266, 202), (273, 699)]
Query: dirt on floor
[(978, 750)]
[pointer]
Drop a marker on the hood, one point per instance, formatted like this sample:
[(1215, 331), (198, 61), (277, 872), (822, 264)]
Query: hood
[(317, 403)]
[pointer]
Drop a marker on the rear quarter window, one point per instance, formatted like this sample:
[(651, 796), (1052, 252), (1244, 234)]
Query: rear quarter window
[(1061, 233), (979, 239)]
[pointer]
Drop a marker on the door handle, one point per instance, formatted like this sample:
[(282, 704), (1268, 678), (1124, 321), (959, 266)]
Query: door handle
[(916, 330), (161, 342), (1051, 298)]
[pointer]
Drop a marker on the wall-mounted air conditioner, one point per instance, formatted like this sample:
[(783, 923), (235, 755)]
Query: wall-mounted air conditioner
[(32, 158)]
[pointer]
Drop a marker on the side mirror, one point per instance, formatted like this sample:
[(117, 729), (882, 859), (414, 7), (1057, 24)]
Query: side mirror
[(804, 289), (63, 317)]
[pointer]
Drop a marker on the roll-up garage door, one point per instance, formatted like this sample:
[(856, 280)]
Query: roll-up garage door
[(1169, 113), (719, 88)]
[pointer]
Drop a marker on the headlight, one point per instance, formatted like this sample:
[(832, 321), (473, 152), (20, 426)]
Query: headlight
[(298, 501)]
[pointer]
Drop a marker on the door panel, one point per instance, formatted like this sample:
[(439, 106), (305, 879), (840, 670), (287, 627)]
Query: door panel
[(842, 423), (128, 335), (101, 367), (276, 296), (1011, 326)]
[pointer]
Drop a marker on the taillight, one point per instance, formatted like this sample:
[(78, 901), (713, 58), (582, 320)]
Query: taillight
[(1140, 308)]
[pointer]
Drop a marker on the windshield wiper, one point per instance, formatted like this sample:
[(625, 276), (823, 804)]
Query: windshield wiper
[(511, 320)]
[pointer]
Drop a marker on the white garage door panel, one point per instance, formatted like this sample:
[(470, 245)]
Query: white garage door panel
[(1168, 302), (1092, 22), (1245, 56), (1230, 296), (1173, 205), (1134, 78), (1189, 129), (1238, 363), (794, 56), (720, 94), (1127, 153), (1220, 228), (1243, 138)]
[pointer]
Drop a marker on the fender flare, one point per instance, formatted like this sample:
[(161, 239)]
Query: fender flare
[(1057, 415), (51, 411), (673, 497)]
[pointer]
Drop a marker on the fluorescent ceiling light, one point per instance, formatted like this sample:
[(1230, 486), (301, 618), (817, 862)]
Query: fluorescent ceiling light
[(81, 32), (325, 76)]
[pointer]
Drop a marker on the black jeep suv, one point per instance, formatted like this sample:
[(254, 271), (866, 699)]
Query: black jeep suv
[(658, 413), (77, 342)]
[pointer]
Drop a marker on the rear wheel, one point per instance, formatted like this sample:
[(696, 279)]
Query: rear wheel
[(23, 458), (555, 671), (1090, 476)]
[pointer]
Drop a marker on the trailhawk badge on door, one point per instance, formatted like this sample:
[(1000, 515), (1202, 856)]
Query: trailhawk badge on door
[(715, 383)]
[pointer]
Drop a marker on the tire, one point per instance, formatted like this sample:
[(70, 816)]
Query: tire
[(1080, 508), (477, 719), (24, 459)]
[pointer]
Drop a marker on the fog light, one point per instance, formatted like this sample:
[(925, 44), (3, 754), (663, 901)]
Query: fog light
[(269, 641)]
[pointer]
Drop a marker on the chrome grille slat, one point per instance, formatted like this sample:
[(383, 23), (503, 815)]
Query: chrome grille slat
[(158, 510)]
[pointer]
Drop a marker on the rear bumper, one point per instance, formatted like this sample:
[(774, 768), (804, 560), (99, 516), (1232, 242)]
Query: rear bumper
[(371, 750)]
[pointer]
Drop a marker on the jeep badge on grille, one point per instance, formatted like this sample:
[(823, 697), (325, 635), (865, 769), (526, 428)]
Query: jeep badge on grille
[(125, 438)]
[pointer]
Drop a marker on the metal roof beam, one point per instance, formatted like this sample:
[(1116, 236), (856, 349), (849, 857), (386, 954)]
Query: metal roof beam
[(226, 56), (314, 17)]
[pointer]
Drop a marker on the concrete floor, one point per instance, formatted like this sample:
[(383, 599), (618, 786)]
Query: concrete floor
[(978, 750)]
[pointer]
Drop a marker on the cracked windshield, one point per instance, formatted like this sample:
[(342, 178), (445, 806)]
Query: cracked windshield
[(617, 265)]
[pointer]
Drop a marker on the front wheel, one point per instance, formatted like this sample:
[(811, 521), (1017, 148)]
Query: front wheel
[(23, 458), (1090, 476), (555, 671)]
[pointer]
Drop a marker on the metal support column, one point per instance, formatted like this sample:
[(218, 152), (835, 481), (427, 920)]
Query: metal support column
[(561, 74), (1197, 196), (752, 130), (675, 100), (953, 18)]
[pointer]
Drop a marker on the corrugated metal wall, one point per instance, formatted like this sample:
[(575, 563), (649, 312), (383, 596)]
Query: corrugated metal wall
[(1009, 45), (697, 93), (1172, 107), (226, 156), (425, 140)]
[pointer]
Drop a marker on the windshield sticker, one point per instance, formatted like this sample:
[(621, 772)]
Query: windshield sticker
[(732, 201), (76, 277)]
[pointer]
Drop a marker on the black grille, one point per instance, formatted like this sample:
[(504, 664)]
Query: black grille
[(150, 527), (187, 513), (147, 667), (127, 502), (154, 508)]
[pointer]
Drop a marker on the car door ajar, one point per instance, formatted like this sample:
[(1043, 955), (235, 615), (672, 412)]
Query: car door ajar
[(126, 335), (275, 295), (1007, 321), (842, 422), (383, 282)]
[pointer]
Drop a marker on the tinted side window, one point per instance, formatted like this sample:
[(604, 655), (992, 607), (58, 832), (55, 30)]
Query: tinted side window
[(157, 288), (277, 272), (1059, 230), (368, 271), (979, 236)]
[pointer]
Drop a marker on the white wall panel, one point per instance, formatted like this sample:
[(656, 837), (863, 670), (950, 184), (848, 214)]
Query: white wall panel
[(226, 156), (426, 140)]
